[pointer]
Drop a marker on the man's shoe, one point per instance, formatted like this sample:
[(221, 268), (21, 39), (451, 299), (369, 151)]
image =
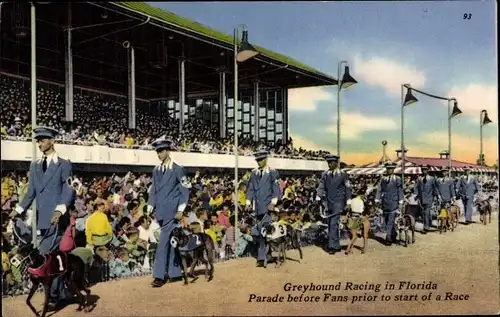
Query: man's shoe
[(260, 264), (52, 306), (158, 283), (333, 251)]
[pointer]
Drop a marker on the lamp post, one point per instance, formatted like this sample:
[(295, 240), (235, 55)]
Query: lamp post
[(451, 114), (241, 54), (33, 113), (406, 100), (483, 120), (346, 82)]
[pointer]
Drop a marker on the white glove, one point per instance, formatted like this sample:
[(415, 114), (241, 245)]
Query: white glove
[(248, 203), (377, 201), (318, 198), (400, 202), (150, 209), (348, 202), (19, 209)]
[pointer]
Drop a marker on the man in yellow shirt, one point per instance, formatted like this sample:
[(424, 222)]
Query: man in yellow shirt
[(98, 229), (129, 141), (216, 200), (242, 194)]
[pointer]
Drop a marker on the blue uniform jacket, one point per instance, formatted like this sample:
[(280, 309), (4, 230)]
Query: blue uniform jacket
[(446, 188), (51, 190), (468, 188), (263, 190), (169, 191), (390, 193), (335, 187), (426, 192)]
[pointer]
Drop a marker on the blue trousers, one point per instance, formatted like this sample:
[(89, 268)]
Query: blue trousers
[(426, 215), (468, 208), (334, 232), (390, 225), (333, 226), (261, 241), (167, 259), (50, 243)]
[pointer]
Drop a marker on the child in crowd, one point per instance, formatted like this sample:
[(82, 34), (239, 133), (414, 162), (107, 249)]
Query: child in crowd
[(135, 246), (121, 265)]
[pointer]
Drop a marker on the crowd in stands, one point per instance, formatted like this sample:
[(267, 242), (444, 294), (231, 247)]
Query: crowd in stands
[(102, 119)]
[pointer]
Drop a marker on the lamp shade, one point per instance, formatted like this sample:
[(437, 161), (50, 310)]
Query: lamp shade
[(486, 119), (456, 111), (246, 50), (347, 79), (409, 98)]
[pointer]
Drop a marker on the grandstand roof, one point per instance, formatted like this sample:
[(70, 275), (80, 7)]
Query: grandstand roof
[(100, 61), (173, 19)]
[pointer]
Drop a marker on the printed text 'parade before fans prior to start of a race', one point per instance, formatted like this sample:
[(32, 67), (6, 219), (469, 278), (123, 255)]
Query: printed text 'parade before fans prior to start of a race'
[(353, 292)]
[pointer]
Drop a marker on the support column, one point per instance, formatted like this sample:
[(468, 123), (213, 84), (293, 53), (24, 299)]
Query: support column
[(285, 116), (182, 91), (222, 101), (256, 101), (69, 70), (131, 87)]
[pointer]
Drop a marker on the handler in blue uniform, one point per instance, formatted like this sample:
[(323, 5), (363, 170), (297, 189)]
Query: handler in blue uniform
[(446, 187), (168, 195), (390, 193), (427, 190), (263, 192), (49, 185), (335, 188), (468, 188)]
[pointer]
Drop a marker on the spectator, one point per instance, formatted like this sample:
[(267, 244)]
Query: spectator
[(223, 216), (98, 229)]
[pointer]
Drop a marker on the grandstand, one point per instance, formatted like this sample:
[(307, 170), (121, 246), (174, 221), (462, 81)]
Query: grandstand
[(172, 55)]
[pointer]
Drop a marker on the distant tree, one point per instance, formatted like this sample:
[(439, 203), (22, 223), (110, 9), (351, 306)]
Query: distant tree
[(480, 161)]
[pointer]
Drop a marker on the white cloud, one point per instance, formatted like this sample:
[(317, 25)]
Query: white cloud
[(300, 141), (353, 125), (476, 97), (305, 99), (360, 157), (386, 74), (463, 147)]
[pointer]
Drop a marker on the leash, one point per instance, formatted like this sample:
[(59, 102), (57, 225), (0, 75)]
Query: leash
[(263, 231), (322, 212), (45, 236)]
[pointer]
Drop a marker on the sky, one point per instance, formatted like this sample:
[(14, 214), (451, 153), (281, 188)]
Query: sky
[(428, 45)]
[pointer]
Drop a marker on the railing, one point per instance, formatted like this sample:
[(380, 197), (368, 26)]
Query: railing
[(212, 150)]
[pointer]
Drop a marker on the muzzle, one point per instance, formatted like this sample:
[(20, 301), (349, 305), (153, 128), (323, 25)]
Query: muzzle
[(263, 232), (174, 242)]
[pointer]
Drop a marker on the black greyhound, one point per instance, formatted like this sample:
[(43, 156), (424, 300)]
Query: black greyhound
[(45, 268), (197, 245)]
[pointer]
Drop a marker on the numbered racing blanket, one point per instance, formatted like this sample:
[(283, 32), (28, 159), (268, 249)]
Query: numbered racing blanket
[(194, 242)]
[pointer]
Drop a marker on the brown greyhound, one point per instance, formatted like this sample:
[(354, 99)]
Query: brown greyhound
[(454, 214), (355, 224), (484, 209)]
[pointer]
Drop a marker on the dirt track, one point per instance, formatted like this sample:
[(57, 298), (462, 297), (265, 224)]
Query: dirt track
[(462, 262)]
